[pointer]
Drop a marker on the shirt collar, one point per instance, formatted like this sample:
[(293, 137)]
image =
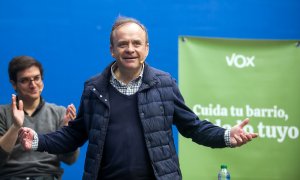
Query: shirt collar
[(113, 76), (38, 108)]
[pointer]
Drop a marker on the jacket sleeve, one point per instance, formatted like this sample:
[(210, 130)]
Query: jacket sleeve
[(190, 126), (68, 138)]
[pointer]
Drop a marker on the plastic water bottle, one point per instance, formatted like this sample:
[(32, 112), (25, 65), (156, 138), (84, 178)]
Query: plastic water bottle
[(223, 173)]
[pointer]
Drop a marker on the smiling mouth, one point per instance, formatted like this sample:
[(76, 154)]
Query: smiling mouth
[(35, 91), (130, 58)]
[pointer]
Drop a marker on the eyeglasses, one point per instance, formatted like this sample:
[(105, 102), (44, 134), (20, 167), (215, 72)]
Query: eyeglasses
[(27, 80)]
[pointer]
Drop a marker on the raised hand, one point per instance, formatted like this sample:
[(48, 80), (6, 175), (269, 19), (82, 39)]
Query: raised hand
[(26, 136), (70, 114), (17, 111), (238, 136)]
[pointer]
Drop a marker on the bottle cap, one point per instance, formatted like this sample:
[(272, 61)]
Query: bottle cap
[(223, 166)]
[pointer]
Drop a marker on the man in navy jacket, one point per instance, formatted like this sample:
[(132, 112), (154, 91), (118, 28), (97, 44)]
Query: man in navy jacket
[(127, 112)]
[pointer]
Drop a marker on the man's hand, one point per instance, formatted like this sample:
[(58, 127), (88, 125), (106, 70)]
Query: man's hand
[(17, 111), (70, 114), (26, 136), (238, 136)]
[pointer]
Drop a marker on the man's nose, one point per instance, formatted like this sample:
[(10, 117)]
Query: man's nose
[(32, 82), (130, 48)]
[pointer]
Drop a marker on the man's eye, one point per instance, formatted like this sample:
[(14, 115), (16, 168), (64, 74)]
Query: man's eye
[(24, 80), (122, 45), (137, 43), (37, 78)]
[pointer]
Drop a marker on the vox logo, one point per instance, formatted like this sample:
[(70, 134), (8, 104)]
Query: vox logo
[(240, 61)]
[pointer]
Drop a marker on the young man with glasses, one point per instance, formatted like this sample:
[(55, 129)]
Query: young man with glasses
[(26, 77)]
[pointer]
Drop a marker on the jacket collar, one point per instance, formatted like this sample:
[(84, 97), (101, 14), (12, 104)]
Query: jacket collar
[(100, 81), (149, 77)]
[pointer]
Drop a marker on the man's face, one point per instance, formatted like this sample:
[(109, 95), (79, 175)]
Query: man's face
[(29, 84), (129, 48)]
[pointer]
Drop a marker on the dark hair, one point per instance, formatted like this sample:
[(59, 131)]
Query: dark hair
[(20, 63), (123, 20)]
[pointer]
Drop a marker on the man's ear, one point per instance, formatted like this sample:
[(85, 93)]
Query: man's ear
[(147, 49), (111, 51)]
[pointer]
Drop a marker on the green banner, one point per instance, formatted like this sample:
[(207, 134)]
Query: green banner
[(226, 80)]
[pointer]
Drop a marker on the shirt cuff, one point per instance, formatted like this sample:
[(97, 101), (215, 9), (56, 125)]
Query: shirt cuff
[(35, 142), (227, 138)]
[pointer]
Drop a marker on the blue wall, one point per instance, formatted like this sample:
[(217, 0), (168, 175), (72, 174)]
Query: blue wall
[(71, 38)]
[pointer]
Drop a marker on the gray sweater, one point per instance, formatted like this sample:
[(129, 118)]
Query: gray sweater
[(48, 118)]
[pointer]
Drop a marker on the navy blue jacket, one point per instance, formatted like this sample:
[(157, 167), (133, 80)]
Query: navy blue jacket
[(160, 105)]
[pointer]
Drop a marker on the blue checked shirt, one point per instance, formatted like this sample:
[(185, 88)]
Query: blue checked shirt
[(127, 89)]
